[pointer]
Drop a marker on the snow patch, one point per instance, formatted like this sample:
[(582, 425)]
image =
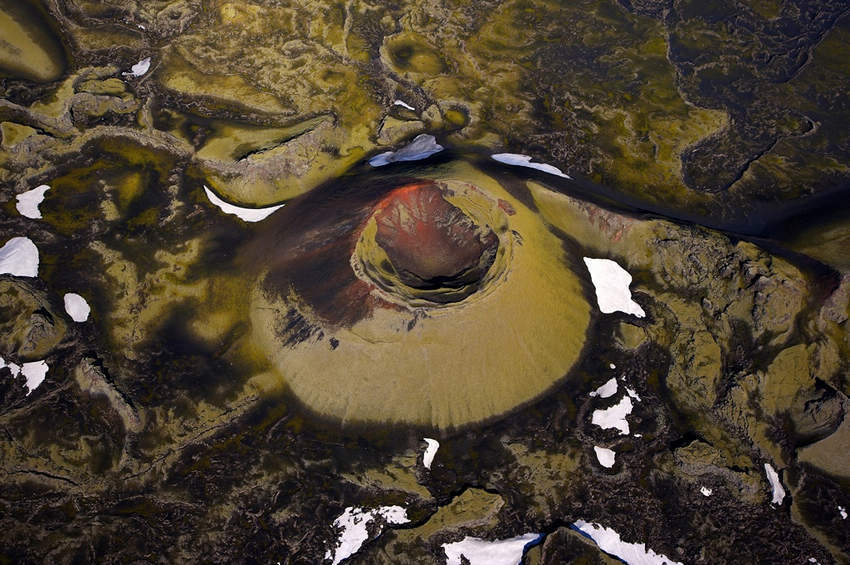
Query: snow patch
[(484, 552), (611, 282), (605, 456), (27, 202), (525, 161), (606, 390), (632, 553), (34, 372), (705, 491), (139, 68), (633, 393), (843, 512), (615, 416), (14, 367), (422, 147), (403, 104), (612, 366), (19, 257), (430, 451), (76, 307), (245, 214), (353, 522), (775, 484)]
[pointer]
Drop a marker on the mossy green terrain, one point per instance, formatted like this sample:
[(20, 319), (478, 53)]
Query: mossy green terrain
[(237, 386)]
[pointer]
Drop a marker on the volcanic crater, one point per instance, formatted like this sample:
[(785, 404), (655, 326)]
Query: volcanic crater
[(431, 243)]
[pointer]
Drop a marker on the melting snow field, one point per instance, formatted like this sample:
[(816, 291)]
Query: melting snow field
[(615, 416), (245, 214), (519, 160), (404, 104), (76, 307), (605, 456), (27, 202), (632, 553), (34, 372), (775, 484), (139, 68), (353, 522), (19, 257), (430, 451), (606, 390), (483, 552), (422, 147), (611, 282)]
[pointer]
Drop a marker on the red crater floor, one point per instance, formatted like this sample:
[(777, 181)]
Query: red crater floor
[(430, 242)]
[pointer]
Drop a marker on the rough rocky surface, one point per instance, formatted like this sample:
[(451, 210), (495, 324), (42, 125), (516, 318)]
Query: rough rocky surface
[(430, 242), (237, 387)]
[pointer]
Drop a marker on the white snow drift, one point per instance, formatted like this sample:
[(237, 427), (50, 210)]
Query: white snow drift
[(353, 522), (422, 147), (27, 202), (76, 307), (605, 456), (612, 287), (34, 372), (606, 390), (615, 416), (139, 68), (483, 552), (19, 257), (775, 484), (430, 451), (525, 161), (245, 214), (632, 553), (403, 104)]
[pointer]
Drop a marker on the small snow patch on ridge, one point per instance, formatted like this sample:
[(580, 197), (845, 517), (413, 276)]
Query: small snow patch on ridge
[(611, 282), (519, 160), (843, 512), (27, 202), (430, 451), (245, 214), (479, 551), (775, 484), (705, 491), (632, 553), (19, 257)]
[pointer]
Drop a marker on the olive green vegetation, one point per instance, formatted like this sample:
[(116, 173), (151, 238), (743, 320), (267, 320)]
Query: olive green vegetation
[(647, 117), (29, 49), (174, 422)]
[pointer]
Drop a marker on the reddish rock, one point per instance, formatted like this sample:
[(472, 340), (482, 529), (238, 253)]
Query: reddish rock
[(430, 242)]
